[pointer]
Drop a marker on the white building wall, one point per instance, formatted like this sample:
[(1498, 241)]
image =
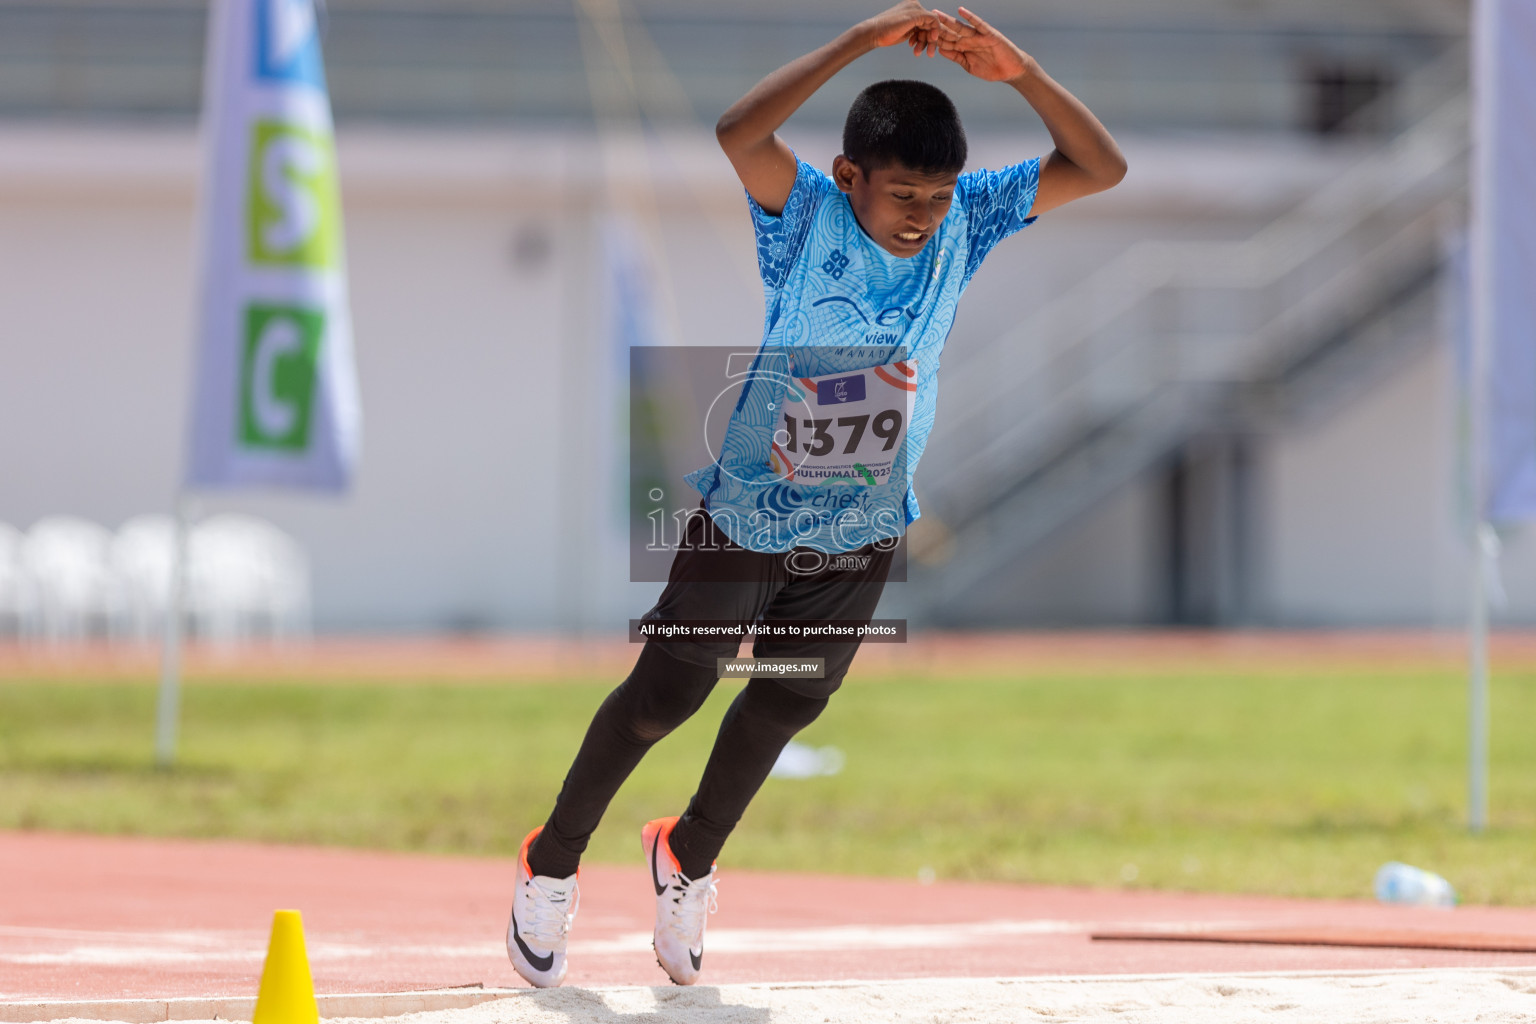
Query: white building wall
[(1363, 518), (1361, 508), (457, 513), (479, 319), (1105, 570)]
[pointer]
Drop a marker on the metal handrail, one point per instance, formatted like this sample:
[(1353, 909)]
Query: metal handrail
[(1081, 353)]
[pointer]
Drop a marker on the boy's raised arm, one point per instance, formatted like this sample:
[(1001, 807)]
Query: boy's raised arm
[(747, 130), (1086, 159)]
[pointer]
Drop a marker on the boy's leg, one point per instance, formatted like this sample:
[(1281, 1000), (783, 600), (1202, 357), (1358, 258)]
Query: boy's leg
[(711, 579), (659, 695), (762, 719), (768, 712)]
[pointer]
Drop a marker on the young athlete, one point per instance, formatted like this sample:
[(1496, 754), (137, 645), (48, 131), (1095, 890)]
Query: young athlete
[(861, 272)]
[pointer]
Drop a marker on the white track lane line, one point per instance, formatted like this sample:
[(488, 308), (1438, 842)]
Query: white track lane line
[(103, 949)]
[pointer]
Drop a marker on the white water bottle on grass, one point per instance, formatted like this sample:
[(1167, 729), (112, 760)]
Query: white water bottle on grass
[(1411, 886)]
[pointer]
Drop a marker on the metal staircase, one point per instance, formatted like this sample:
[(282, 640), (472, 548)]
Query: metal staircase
[(1174, 340)]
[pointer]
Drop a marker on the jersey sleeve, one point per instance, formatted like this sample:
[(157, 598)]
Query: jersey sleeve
[(780, 239), (997, 204)]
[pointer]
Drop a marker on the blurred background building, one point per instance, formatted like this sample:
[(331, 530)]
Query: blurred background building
[(1224, 393)]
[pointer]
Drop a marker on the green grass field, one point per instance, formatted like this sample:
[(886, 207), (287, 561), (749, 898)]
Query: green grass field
[(1295, 781)]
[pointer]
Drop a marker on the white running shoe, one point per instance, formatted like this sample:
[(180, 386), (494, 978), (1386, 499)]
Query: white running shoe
[(542, 911), (683, 905)]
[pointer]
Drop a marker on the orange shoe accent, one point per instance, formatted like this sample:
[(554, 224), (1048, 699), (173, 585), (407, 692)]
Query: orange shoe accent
[(661, 827), (522, 852), (657, 835)]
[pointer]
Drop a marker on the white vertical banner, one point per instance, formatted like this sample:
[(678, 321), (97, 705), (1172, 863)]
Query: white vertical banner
[(1502, 315), (276, 398), (1503, 247)]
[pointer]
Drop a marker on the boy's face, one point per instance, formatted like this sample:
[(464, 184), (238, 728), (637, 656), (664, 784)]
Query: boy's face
[(898, 207)]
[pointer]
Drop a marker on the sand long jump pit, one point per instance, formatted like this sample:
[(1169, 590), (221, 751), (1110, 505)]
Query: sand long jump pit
[(1489, 995), (1497, 995)]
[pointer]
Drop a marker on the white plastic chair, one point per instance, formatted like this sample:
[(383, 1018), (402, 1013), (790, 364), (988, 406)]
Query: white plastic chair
[(143, 556), (17, 602), (77, 593), (246, 578)]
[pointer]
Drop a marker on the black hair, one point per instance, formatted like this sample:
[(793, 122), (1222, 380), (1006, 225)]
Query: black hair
[(907, 122)]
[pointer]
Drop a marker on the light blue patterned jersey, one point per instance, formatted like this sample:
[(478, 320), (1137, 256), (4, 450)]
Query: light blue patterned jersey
[(836, 303)]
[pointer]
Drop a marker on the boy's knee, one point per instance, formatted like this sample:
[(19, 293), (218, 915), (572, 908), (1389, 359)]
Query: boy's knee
[(662, 692), (775, 700)]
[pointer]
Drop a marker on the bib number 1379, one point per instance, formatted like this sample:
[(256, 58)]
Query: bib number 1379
[(845, 426), (886, 426)]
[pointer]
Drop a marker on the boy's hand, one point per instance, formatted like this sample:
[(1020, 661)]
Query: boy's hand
[(979, 48), (909, 21), (1086, 159)]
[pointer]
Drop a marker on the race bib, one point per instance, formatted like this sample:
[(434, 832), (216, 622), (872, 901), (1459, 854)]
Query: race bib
[(845, 426)]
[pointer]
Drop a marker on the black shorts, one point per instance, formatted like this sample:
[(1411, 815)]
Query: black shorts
[(714, 579)]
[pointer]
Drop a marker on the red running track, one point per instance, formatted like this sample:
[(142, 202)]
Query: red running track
[(85, 917)]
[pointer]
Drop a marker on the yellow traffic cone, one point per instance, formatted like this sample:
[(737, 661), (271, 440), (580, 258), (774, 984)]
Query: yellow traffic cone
[(287, 993)]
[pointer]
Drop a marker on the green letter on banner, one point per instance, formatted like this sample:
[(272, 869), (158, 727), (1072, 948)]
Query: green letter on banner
[(277, 375), (293, 198)]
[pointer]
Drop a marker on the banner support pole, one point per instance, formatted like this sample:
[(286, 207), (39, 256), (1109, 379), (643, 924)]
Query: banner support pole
[(1485, 77), (1477, 684), (168, 707)]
